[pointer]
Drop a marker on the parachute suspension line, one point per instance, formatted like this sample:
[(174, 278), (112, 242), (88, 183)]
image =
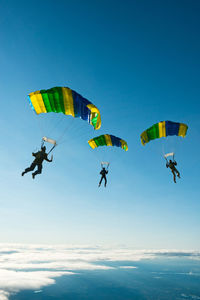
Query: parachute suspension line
[(83, 132), (65, 129), (47, 140), (39, 124), (73, 138), (172, 154), (42, 143), (57, 124), (172, 147), (77, 131), (163, 148), (105, 156), (51, 149)]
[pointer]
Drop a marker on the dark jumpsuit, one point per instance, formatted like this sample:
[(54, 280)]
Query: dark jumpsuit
[(40, 156), (171, 165), (103, 176)]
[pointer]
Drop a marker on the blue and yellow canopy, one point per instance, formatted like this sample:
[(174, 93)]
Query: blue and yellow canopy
[(66, 101), (163, 129), (107, 140)]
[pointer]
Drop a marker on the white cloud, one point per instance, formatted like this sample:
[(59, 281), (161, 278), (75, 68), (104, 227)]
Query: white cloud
[(36, 266), (4, 295), (14, 281), (36, 292), (127, 267)]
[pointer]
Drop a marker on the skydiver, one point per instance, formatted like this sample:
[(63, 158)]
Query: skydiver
[(40, 156), (103, 176), (171, 164)]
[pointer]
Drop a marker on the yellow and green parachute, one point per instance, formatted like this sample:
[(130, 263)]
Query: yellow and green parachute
[(108, 140), (66, 101), (163, 129)]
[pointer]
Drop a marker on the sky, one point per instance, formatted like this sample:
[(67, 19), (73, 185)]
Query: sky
[(138, 62)]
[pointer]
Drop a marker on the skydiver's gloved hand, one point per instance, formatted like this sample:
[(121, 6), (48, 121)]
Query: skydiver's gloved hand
[(51, 158)]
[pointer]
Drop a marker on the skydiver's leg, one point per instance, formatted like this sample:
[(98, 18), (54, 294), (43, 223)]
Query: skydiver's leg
[(177, 172), (105, 181), (31, 168), (100, 180), (39, 170), (174, 175)]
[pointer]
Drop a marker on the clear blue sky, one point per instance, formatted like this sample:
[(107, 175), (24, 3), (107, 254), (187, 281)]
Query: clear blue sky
[(138, 62)]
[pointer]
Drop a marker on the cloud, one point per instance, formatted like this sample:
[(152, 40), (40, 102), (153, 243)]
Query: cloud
[(4, 295), (36, 266), (127, 267), (14, 281)]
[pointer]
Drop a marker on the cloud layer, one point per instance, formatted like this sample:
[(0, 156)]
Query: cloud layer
[(36, 266)]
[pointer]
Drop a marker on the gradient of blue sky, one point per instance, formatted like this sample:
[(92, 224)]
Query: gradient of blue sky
[(138, 61)]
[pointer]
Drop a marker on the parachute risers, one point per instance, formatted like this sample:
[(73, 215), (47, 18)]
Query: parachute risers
[(48, 140), (169, 154), (105, 164), (51, 141)]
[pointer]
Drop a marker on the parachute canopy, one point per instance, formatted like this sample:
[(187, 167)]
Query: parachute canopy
[(66, 101), (163, 129), (107, 140)]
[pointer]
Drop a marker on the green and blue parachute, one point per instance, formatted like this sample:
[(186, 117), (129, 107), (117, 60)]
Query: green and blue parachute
[(66, 101), (108, 140), (163, 129)]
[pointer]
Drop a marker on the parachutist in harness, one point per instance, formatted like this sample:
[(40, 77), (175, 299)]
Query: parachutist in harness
[(103, 173), (40, 156), (171, 164)]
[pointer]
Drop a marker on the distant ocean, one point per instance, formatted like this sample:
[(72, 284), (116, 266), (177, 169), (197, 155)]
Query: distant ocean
[(163, 278)]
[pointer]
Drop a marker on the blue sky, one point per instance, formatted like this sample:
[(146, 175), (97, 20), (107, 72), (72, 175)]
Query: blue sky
[(138, 62)]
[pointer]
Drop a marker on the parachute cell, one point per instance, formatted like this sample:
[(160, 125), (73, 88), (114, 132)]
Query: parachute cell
[(107, 140), (66, 101), (163, 129)]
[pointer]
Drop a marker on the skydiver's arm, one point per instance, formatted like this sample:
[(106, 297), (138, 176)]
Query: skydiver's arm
[(49, 160)]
